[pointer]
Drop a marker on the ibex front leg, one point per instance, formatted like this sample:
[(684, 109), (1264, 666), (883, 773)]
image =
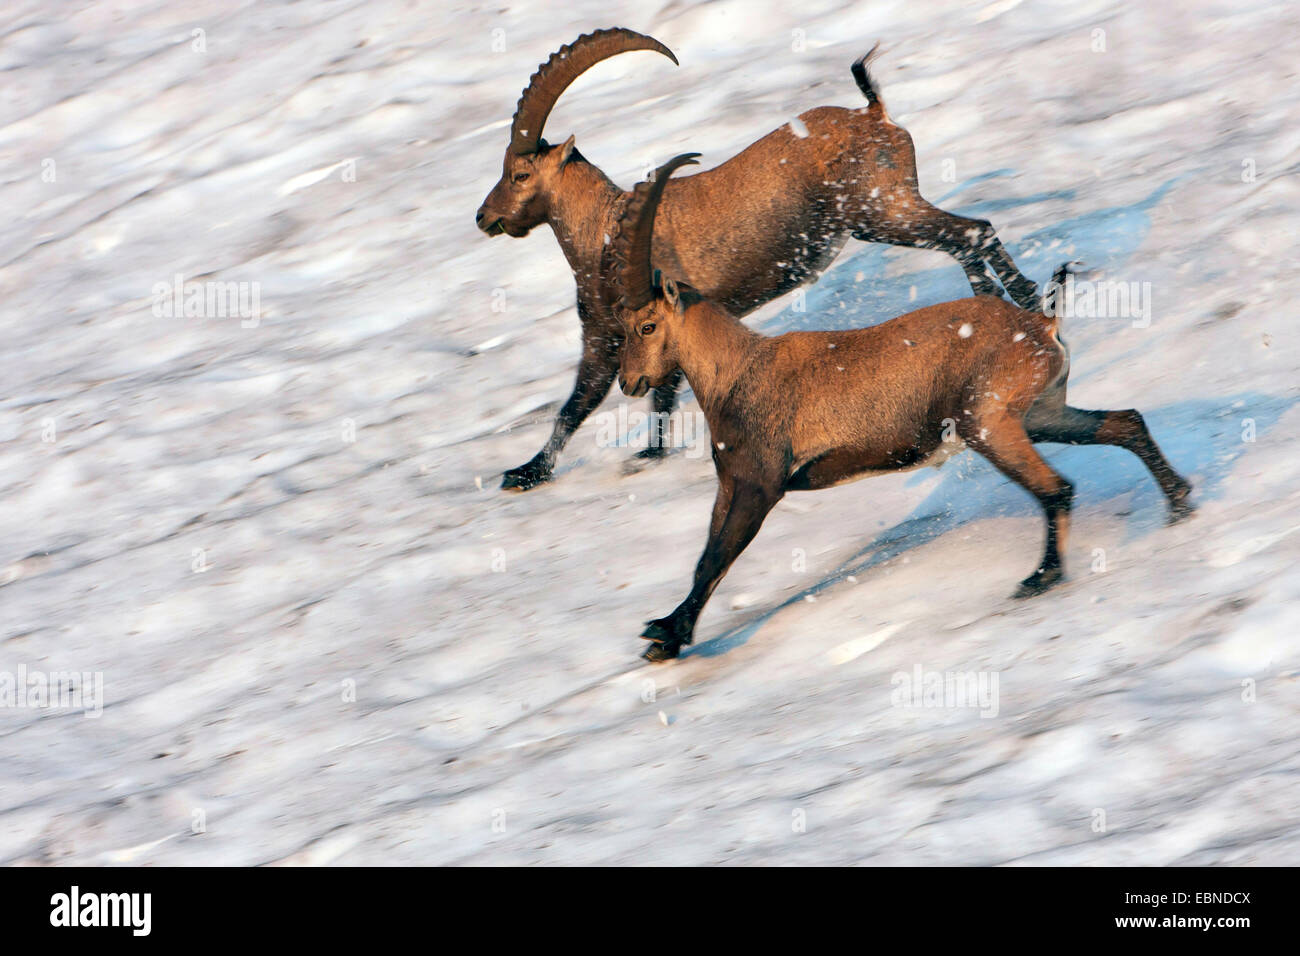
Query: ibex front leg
[(663, 401), (999, 435), (738, 513), (596, 373)]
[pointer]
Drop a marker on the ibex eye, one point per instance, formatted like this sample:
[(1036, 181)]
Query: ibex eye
[(648, 328), (521, 177)]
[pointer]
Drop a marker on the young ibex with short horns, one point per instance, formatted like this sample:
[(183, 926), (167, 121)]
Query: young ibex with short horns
[(766, 221), (808, 410)]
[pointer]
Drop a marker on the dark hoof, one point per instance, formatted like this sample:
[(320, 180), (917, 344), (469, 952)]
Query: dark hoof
[(659, 631), (643, 459), (1037, 583), (658, 653), (525, 476), (664, 631), (1180, 506)]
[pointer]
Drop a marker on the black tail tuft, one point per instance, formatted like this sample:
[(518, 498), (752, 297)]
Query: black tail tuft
[(1050, 305), (865, 83)]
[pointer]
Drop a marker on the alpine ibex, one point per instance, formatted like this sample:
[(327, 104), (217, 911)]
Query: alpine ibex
[(762, 223), (808, 410)]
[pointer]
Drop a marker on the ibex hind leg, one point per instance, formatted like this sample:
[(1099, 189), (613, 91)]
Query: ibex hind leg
[(890, 208), (911, 221), (1020, 287), (1001, 438), (1051, 420), (921, 226)]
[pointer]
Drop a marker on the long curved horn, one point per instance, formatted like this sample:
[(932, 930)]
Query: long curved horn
[(634, 278), (566, 65)]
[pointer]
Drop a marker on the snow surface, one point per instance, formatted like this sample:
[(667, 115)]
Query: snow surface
[(335, 153)]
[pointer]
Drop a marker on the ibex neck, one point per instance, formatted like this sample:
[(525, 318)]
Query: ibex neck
[(583, 212), (714, 350)]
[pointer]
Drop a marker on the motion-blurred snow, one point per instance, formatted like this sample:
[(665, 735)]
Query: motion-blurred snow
[(326, 637)]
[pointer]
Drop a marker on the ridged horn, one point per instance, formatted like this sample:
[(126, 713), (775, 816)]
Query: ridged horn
[(566, 65), (634, 276)]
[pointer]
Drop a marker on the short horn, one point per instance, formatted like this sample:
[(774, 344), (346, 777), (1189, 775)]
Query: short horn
[(634, 280), (566, 65)]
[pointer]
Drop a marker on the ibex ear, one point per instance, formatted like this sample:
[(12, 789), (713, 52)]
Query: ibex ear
[(671, 292), (566, 150)]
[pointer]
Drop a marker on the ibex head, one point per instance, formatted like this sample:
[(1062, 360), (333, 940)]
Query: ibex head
[(651, 307), (532, 167)]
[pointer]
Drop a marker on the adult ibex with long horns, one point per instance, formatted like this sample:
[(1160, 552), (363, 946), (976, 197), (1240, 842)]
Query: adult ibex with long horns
[(809, 410), (768, 220)]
